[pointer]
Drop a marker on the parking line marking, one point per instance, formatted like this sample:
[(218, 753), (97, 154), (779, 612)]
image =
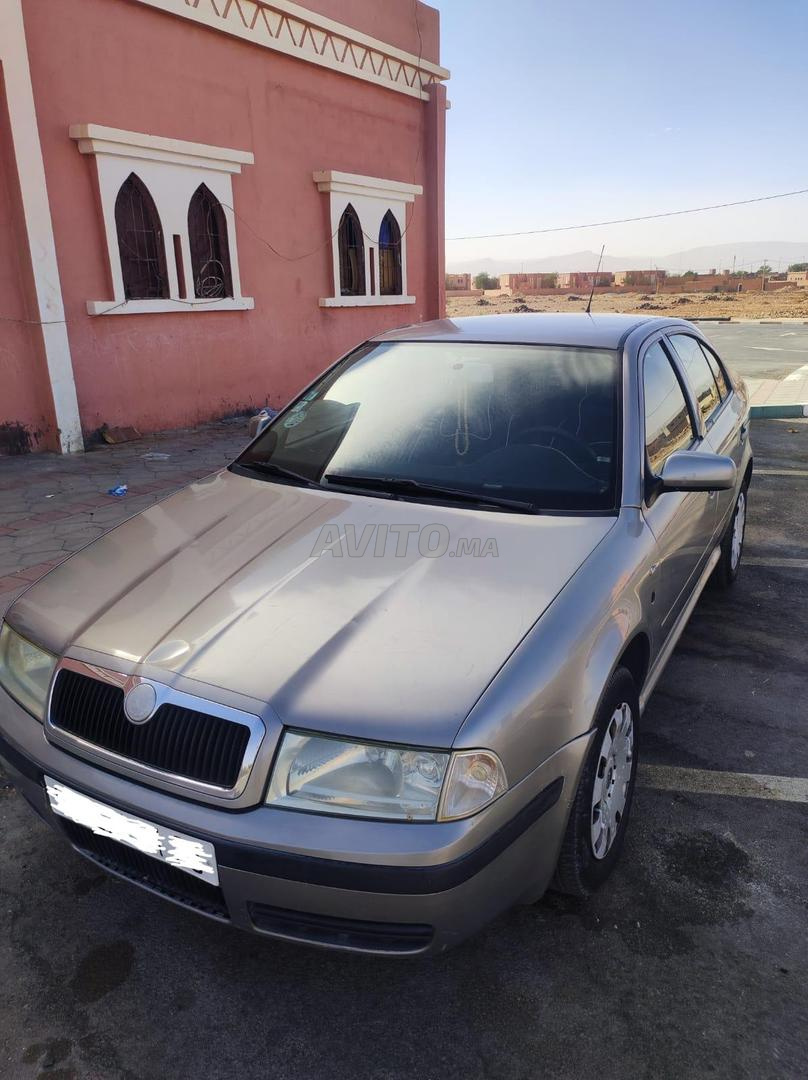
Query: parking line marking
[(711, 782), (781, 472), (774, 561)]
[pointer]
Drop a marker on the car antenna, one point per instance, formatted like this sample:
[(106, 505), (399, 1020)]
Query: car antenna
[(594, 279)]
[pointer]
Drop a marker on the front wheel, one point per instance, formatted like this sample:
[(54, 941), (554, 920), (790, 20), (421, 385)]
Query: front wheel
[(600, 811), (729, 564)]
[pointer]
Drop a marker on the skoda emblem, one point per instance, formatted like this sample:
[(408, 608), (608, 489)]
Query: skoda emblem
[(139, 703)]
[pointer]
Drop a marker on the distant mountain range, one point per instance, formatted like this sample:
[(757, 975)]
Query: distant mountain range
[(746, 255)]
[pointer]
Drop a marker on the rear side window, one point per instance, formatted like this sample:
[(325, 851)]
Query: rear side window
[(717, 370), (668, 426), (698, 373)]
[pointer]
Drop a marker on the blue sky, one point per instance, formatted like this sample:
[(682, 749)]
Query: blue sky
[(579, 110)]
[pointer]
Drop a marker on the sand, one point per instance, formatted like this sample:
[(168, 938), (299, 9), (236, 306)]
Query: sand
[(785, 303)]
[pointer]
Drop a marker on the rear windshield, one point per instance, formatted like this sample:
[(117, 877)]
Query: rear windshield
[(535, 423)]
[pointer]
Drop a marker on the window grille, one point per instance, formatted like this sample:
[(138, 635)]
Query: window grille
[(140, 242)]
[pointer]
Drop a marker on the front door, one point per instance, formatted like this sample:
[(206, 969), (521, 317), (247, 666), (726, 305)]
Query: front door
[(682, 522)]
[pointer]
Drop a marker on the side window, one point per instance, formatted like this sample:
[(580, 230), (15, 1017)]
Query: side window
[(698, 373), (140, 242), (351, 254), (389, 256), (718, 372), (207, 235), (668, 426)]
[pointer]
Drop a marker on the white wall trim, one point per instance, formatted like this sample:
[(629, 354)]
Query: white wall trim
[(353, 184), (365, 301), (97, 139), (289, 28), (172, 170), (153, 307), (371, 198), (38, 224)]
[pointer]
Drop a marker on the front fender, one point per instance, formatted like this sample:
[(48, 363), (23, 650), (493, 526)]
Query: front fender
[(548, 691)]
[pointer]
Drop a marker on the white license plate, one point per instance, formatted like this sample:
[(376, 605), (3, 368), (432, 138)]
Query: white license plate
[(196, 857)]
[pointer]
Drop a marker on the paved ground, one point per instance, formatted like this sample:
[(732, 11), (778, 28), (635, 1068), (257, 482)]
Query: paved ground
[(692, 962), (773, 358), (765, 351), (50, 506)]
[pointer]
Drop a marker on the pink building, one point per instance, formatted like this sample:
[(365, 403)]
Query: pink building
[(204, 202)]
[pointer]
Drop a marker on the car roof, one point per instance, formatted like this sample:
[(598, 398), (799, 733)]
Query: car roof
[(576, 329)]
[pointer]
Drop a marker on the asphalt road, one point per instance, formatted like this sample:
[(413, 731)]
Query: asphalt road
[(768, 351), (691, 962)]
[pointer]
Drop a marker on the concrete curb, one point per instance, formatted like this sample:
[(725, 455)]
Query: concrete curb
[(778, 412)]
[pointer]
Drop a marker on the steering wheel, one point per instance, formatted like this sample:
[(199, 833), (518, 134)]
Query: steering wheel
[(557, 432)]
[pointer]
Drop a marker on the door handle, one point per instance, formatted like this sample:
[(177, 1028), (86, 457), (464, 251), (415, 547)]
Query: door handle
[(744, 431), (710, 494)]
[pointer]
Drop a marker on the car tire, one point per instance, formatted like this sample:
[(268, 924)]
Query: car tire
[(729, 565), (601, 808)]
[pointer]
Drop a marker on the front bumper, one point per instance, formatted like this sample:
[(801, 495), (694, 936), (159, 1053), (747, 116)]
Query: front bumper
[(388, 888)]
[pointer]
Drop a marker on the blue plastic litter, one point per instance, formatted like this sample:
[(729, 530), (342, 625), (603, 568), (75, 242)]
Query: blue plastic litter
[(120, 490)]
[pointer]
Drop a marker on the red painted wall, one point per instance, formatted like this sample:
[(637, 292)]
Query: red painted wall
[(129, 66)]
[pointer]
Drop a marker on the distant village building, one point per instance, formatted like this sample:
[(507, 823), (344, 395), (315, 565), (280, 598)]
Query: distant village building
[(458, 282), (203, 203), (799, 277), (584, 279), (527, 283), (642, 278)]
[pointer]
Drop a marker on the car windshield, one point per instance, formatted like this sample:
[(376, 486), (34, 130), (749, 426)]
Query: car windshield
[(535, 425)]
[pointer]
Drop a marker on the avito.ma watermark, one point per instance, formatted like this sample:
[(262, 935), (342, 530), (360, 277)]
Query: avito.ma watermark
[(378, 541)]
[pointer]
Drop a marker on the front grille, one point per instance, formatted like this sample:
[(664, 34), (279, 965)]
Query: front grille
[(349, 933), (142, 869), (177, 740)]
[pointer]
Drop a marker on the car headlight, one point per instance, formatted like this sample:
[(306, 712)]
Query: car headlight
[(337, 776), (25, 671)]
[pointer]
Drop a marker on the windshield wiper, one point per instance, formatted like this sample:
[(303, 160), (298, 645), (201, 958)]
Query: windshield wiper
[(271, 469), (405, 486)]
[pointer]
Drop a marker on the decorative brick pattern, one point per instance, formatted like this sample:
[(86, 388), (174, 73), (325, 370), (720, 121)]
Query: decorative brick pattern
[(290, 29)]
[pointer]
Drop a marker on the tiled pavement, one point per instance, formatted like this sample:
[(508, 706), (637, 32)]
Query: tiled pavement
[(50, 506), (792, 390)]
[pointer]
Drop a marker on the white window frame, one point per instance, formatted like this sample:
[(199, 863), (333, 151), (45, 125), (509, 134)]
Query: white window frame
[(371, 198), (172, 170)]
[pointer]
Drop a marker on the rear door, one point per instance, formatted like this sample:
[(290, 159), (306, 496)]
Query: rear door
[(724, 424), (682, 522)]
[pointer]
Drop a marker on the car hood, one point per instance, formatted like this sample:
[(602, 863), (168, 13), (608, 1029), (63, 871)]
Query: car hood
[(219, 584)]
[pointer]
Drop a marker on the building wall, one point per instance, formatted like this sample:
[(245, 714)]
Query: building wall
[(639, 277), (458, 281), (583, 280), (528, 283), (124, 64)]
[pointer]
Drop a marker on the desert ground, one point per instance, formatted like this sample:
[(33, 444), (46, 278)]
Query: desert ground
[(784, 303)]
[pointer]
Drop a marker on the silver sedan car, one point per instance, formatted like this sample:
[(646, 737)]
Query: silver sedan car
[(383, 677)]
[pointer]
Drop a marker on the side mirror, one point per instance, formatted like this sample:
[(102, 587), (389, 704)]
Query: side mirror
[(688, 471)]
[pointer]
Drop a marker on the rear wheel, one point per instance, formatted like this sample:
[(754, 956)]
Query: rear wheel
[(599, 816), (729, 564)]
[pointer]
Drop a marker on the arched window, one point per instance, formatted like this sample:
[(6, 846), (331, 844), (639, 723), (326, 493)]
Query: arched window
[(140, 242), (351, 254), (210, 254), (389, 256)]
